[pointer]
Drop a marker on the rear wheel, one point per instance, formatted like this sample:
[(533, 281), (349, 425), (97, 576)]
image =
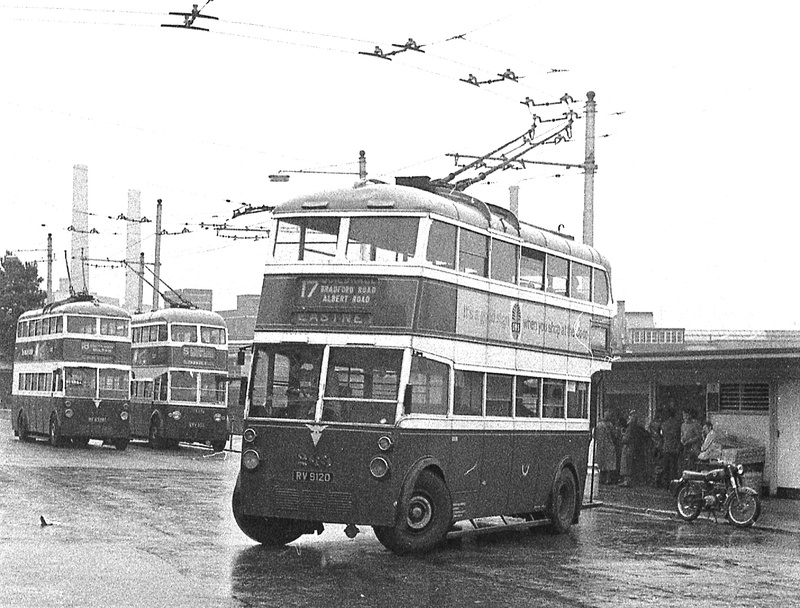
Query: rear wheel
[(54, 434), (743, 508), (269, 531), (80, 442), (426, 520), (689, 502), (563, 503)]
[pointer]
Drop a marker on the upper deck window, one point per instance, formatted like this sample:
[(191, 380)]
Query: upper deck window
[(442, 245), (81, 325), (150, 333), (580, 282), (114, 327), (531, 269), (183, 333), (600, 290), (308, 239), (504, 261), (473, 253), (382, 239), (212, 335), (557, 275), (22, 329)]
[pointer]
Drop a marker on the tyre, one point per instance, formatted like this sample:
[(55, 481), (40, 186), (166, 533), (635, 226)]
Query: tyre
[(268, 531), (689, 502), (563, 503), (54, 434), (155, 436), (22, 428), (743, 508), (218, 446), (426, 520), (120, 444)]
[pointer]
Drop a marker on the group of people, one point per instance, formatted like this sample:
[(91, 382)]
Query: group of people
[(630, 454)]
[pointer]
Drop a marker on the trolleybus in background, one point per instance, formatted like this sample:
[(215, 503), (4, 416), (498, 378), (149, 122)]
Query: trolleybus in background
[(72, 364), (179, 390), (420, 357)]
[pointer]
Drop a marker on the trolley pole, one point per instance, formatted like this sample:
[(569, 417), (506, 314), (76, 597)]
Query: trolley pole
[(589, 169), (157, 265), (49, 267)]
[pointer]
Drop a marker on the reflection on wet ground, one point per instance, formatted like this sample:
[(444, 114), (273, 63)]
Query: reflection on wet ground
[(144, 528)]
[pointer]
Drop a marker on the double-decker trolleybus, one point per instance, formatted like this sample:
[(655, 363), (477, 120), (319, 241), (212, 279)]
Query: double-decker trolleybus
[(179, 390), (420, 357), (72, 365)]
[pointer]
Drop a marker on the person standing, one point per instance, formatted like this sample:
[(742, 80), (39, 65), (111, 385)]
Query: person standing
[(691, 439), (635, 441), (606, 440), (711, 448), (671, 446)]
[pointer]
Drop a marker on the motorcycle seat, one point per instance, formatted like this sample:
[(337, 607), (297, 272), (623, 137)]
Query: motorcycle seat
[(712, 475)]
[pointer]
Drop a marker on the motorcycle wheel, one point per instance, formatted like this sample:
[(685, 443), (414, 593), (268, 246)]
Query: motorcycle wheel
[(744, 508), (689, 502)]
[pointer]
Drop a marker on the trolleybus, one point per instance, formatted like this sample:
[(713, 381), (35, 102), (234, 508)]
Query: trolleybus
[(420, 357), (179, 390), (72, 364)]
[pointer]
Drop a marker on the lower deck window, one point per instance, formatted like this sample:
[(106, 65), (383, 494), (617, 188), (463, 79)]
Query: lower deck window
[(468, 397), (285, 381), (429, 386), (552, 398)]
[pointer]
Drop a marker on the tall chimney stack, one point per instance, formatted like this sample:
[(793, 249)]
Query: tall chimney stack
[(133, 241)]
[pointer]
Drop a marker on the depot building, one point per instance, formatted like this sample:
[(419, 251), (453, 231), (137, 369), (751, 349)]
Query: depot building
[(746, 382)]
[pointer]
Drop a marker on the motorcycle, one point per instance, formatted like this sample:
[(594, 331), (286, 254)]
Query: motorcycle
[(720, 489)]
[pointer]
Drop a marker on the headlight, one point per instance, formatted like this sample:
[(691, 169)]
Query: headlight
[(379, 467), (249, 435), (69, 413), (123, 415), (385, 443), (217, 417), (250, 459), (740, 468), (176, 415)]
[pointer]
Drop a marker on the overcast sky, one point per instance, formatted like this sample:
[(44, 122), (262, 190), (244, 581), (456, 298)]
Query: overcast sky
[(696, 149)]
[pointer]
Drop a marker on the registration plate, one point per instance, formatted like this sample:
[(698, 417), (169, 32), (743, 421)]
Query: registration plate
[(312, 476)]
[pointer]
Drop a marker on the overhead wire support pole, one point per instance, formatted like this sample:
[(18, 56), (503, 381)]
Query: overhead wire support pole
[(157, 271), (589, 170)]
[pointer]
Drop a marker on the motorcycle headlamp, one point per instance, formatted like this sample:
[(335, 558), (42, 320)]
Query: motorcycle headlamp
[(740, 469)]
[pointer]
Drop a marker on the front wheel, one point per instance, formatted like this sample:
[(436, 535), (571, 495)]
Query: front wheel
[(426, 520), (743, 508), (120, 444), (268, 531), (218, 446), (155, 436), (563, 503), (54, 434), (22, 428), (689, 502)]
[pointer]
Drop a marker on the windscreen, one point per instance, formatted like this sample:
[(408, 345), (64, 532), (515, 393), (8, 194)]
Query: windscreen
[(285, 381), (362, 385)]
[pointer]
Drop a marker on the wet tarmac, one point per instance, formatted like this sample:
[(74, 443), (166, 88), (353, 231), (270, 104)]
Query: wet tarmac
[(148, 528)]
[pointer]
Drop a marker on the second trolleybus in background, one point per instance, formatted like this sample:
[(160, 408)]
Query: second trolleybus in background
[(72, 363), (180, 382), (420, 357)]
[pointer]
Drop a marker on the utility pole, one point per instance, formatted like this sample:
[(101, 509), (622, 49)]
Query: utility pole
[(49, 267), (589, 169), (157, 266), (140, 307)]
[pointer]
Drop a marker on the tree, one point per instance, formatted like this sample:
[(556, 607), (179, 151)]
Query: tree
[(19, 291)]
